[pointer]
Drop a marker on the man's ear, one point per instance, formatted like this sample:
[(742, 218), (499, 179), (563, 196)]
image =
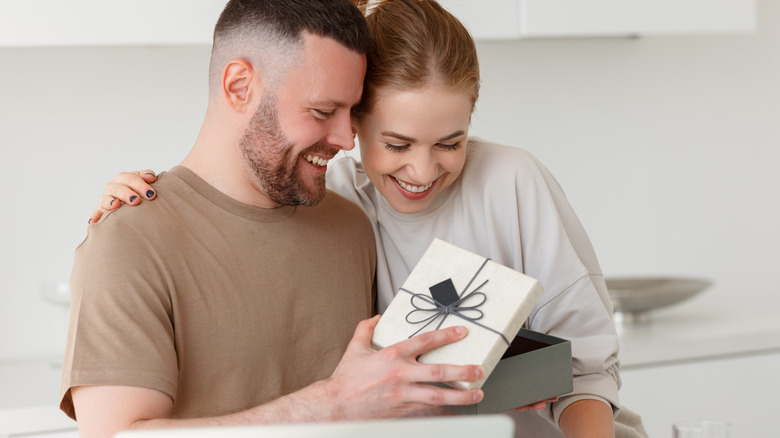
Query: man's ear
[(238, 82)]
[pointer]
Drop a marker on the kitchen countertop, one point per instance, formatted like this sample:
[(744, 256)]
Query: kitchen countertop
[(702, 328)]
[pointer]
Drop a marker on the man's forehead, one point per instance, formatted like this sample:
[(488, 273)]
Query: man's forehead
[(329, 75)]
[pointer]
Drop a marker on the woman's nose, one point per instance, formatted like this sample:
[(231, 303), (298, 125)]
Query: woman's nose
[(422, 167)]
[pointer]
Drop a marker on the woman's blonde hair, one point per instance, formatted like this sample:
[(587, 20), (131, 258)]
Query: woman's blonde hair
[(416, 43)]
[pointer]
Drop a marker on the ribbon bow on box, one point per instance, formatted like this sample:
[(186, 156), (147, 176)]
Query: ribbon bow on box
[(445, 301)]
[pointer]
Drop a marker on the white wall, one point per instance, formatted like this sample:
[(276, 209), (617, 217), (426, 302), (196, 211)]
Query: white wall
[(70, 119), (666, 146)]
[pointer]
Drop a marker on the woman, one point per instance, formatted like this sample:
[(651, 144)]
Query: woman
[(422, 177)]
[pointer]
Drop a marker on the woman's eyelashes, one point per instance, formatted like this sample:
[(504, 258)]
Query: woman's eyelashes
[(445, 146), (450, 147), (396, 148)]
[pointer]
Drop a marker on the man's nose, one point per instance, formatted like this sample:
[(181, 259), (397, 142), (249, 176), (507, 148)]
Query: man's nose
[(341, 134)]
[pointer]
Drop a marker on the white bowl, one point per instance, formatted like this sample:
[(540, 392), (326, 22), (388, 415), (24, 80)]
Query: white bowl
[(636, 295)]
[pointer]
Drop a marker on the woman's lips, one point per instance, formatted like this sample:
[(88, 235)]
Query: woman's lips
[(411, 191)]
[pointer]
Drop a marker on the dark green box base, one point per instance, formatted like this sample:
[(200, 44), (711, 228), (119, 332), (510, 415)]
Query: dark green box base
[(535, 367)]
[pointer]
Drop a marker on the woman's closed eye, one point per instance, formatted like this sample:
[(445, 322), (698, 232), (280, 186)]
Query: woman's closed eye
[(396, 147), (450, 147), (444, 146)]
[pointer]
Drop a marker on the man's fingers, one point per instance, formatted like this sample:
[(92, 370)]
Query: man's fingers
[(445, 373), (364, 332), (430, 395), (428, 341)]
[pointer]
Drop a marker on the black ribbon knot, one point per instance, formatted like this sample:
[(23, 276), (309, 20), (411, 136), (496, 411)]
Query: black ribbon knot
[(445, 301)]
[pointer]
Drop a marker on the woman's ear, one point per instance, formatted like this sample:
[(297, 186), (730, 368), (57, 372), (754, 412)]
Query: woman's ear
[(238, 80)]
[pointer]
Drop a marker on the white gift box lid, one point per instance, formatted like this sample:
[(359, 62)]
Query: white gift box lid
[(493, 301)]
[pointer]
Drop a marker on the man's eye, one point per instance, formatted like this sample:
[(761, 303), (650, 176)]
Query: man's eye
[(322, 114)]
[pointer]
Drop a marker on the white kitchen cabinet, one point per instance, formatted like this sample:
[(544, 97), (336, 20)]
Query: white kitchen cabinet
[(40, 23), (511, 19), (30, 23), (741, 390)]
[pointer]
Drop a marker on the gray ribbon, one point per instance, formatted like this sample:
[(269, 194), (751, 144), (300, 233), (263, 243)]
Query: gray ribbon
[(439, 308)]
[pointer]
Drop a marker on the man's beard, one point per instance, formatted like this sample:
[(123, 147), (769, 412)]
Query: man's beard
[(267, 152)]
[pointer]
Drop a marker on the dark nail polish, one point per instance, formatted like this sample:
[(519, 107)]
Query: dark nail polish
[(149, 193), (132, 198), (89, 221), (111, 204), (150, 173)]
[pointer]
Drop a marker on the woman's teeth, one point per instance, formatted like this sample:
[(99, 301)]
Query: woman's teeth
[(414, 189), (317, 161)]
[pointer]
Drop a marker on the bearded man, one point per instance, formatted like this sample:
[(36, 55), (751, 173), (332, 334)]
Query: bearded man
[(233, 297)]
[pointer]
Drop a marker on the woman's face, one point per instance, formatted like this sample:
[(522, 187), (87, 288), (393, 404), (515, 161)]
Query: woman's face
[(413, 143)]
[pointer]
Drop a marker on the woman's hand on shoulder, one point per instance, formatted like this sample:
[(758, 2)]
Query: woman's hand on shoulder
[(127, 188)]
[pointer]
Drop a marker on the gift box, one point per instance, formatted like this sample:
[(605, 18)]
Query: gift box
[(450, 286), (535, 367)]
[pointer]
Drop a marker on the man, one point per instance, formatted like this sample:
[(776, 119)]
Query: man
[(231, 299)]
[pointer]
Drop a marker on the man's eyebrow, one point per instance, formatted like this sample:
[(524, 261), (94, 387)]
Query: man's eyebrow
[(331, 104), (412, 140)]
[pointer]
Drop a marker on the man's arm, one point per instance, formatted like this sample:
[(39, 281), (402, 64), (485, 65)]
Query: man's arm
[(366, 384)]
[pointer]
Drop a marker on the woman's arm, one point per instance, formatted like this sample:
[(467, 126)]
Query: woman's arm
[(587, 418), (126, 187)]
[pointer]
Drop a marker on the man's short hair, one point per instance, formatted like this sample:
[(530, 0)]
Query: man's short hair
[(269, 33)]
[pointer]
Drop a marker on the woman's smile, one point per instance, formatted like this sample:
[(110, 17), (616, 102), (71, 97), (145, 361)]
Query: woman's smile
[(411, 190)]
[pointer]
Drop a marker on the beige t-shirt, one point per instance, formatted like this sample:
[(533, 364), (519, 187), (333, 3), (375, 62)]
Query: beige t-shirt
[(221, 305)]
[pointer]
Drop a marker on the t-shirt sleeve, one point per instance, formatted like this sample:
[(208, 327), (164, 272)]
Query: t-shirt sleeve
[(121, 331)]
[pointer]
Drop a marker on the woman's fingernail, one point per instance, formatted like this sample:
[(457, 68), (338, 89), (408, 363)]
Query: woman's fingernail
[(111, 204), (133, 198), (149, 193), (89, 221), (150, 173)]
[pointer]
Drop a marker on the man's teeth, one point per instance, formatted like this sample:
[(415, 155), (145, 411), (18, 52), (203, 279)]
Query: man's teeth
[(414, 189), (317, 161)]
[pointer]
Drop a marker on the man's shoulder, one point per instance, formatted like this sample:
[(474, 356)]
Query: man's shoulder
[(339, 216), (337, 204), (149, 219)]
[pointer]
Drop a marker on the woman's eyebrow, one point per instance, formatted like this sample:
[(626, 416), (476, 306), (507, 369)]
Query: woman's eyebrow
[(451, 136), (412, 140), (398, 136)]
